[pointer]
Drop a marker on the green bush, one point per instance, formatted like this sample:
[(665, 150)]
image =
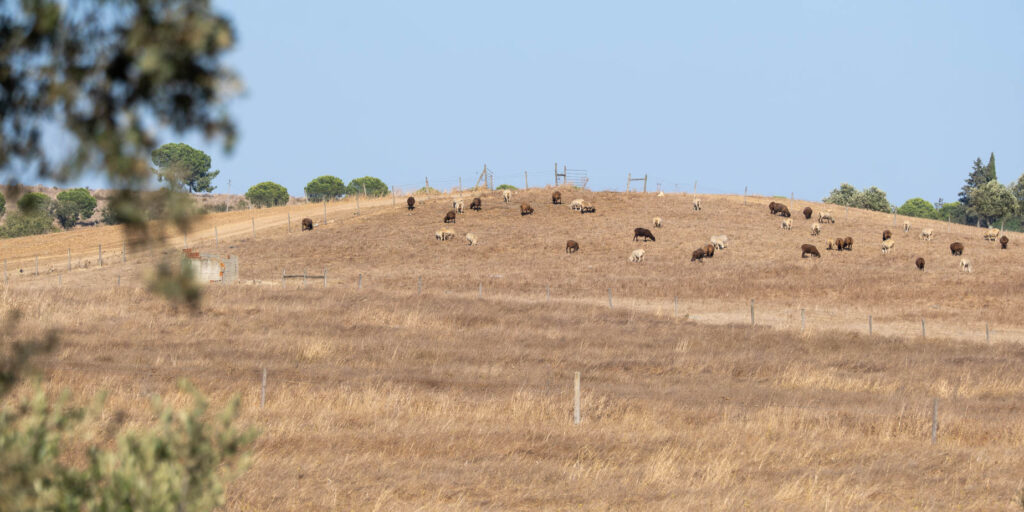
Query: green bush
[(267, 193), (505, 186), (325, 188), (917, 207), (108, 216), (19, 224), (72, 206), (3, 205), (373, 187), (217, 207), (34, 203)]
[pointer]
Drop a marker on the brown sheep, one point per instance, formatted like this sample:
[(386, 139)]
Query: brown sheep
[(643, 232), (919, 263), (525, 209), (807, 212), (698, 255), (779, 208), (956, 248), (848, 244), (556, 197), (771, 207), (1003, 241), (475, 204), (571, 246), (307, 224), (886, 235), (449, 217), (411, 202), (839, 244), (709, 251), (806, 249)]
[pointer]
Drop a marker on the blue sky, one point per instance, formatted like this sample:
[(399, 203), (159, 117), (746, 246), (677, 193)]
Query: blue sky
[(779, 96)]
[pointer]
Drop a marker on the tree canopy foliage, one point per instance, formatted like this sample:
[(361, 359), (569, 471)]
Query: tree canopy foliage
[(183, 166), (325, 188), (72, 206), (871, 198), (373, 187), (267, 194), (917, 207)]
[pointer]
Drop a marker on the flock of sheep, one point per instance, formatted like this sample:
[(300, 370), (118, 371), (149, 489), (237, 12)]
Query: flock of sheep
[(717, 242), (846, 244)]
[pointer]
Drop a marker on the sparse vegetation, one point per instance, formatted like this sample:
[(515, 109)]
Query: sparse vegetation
[(505, 186)]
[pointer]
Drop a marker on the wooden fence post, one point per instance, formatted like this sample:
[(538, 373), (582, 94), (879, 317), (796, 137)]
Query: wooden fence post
[(576, 399), (263, 389), (37, 264), (325, 209), (526, 181), (100, 250), (393, 204), (751, 311), (870, 327), (629, 179), (124, 253), (923, 335), (609, 298), (254, 227), (69, 259), (359, 283), (803, 321), (986, 333), (357, 209)]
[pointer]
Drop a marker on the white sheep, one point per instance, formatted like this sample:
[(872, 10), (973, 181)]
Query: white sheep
[(992, 234), (471, 238), (657, 222), (906, 226), (576, 205), (696, 204), (637, 256), (459, 206), (506, 195), (661, 194), (787, 224), (965, 265), (888, 245), (826, 216), (815, 229), (444, 234), (926, 234), (720, 241)]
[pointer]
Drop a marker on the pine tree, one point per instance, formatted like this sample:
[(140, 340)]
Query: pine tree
[(979, 176)]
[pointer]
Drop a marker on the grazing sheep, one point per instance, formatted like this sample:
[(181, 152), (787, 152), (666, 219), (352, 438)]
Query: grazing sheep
[(571, 246), (307, 224), (956, 248), (637, 256), (839, 244), (506, 195), (661, 194), (475, 204), (787, 224), (696, 204), (720, 241), (807, 212), (587, 208), (643, 232), (657, 222), (1003, 241), (826, 217), (887, 246), (848, 244), (965, 265), (698, 255), (525, 209), (471, 238), (778, 208), (556, 197), (709, 251), (411, 202), (815, 229), (449, 217), (444, 234), (920, 263), (906, 228), (806, 249), (771, 207), (831, 245), (991, 234), (926, 234), (459, 206), (576, 205), (886, 235)]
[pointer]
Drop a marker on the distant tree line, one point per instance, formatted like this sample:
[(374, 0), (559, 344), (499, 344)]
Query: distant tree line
[(982, 200)]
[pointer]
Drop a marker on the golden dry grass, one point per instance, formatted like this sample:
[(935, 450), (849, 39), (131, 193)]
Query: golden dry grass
[(384, 399)]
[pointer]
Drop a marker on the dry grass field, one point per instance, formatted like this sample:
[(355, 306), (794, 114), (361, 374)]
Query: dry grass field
[(459, 397)]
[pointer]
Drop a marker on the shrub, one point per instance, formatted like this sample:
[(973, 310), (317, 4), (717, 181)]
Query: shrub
[(21, 224), (917, 207), (108, 216), (505, 186), (267, 193), (3, 205), (325, 188)]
